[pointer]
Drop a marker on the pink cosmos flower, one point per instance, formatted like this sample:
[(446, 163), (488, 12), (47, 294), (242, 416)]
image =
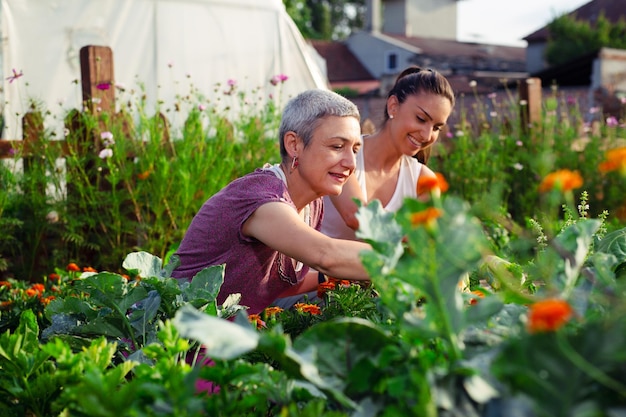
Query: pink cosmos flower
[(611, 121), (278, 79), (105, 153), (15, 76)]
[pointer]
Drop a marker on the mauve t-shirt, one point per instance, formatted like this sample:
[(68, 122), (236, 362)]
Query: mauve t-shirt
[(214, 237)]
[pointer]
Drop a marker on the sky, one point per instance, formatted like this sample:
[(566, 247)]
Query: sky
[(506, 22)]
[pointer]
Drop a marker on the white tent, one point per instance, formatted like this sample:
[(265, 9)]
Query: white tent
[(166, 45)]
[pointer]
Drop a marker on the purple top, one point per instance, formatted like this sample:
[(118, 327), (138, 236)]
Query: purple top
[(214, 237)]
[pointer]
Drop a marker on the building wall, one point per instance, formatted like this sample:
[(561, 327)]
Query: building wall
[(534, 57), (421, 18), (374, 50)]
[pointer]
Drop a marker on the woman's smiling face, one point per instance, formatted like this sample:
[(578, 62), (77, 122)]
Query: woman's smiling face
[(418, 120), (329, 159)]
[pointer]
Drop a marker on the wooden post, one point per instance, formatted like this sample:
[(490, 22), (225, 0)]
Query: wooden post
[(530, 103), (32, 144), (98, 82)]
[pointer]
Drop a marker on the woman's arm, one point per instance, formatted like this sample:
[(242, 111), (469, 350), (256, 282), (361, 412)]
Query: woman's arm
[(278, 226), (344, 203)]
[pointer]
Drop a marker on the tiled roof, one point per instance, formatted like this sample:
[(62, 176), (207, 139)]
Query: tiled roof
[(446, 47), (341, 64), (613, 11)]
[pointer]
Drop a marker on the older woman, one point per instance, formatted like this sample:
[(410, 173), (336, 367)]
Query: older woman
[(265, 225)]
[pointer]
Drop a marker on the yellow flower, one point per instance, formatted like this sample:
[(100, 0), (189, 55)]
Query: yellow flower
[(548, 315), (615, 161), (563, 180)]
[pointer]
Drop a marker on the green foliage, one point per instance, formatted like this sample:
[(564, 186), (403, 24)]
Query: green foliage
[(326, 19), (571, 38), (142, 194)]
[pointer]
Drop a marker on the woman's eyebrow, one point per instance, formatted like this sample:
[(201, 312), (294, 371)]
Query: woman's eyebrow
[(424, 111)]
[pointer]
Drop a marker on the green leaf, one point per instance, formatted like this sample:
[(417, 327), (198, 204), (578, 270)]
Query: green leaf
[(205, 286), (615, 244), (379, 228), (343, 350), (221, 338), (146, 264)]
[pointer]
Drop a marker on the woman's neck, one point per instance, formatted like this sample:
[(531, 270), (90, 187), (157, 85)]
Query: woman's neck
[(379, 154), (295, 187)]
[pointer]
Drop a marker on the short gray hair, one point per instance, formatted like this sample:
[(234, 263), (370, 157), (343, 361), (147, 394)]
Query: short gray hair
[(304, 113)]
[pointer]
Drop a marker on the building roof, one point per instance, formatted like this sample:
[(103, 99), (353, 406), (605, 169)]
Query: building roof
[(343, 69), (447, 47), (589, 12)]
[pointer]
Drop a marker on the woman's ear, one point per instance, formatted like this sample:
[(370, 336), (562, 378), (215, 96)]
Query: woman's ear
[(291, 140), (392, 105)]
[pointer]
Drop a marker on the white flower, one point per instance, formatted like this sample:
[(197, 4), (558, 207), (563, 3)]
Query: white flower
[(518, 166), (107, 138), (105, 153)]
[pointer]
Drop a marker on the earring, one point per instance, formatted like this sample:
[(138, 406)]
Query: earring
[(294, 163), (391, 116)]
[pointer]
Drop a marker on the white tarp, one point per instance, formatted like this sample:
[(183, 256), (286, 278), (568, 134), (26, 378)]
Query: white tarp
[(166, 45)]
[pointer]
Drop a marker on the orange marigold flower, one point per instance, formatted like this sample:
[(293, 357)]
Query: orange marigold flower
[(54, 277), (6, 305), (429, 184), (477, 293), (5, 284), (46, 300), (325, 287), (615, 161), (89, 269), (548, 315), (563, 180), (31, 292), (144, 175), (38, 287), (425, 217), (73, 267), (308, 308), (272, 311), (256, 320)]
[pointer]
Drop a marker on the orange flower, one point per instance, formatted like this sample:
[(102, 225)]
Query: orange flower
[(615, 161), (39, 288), (31, 292), (479, 294), (256, 320), (73, 267), (6, 284), (54, 277), (429, 184), (46, 300), (89, 269), (563, 180), (6, 305), (308, 308), (548, 315), (425, 217), (272, 311), (324, 287), (144, 175)]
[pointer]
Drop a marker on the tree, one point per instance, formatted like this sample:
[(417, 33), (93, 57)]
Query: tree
[(571, 38), (326, 19)]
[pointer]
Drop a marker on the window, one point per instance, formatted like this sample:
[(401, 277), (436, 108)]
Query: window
[(391, 64)]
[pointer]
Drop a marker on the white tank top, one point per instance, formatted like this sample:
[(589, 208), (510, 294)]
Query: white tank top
[(410, 168)]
